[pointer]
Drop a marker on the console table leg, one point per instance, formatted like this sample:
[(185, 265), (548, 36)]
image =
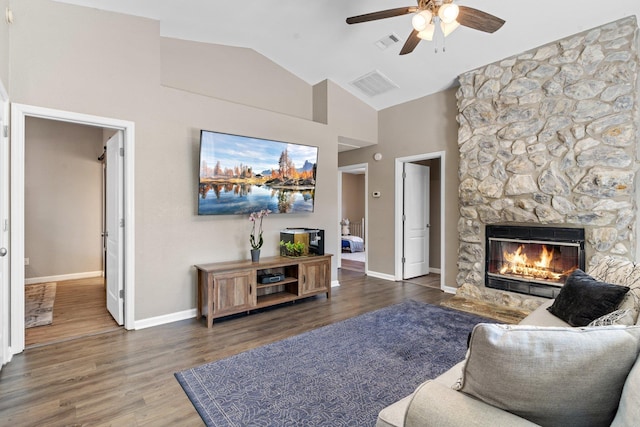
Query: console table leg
[(210, 301)]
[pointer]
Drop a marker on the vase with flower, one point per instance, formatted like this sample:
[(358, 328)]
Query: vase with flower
[(255, 238)]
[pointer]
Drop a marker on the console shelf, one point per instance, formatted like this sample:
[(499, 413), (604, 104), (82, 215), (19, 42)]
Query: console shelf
[(226, 288)]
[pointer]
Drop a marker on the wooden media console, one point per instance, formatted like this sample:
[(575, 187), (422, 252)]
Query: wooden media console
[(226, 288)]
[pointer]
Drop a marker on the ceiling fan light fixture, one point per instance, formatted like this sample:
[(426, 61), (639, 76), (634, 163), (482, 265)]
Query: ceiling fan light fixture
[(421, 20), (448, 12), (427, 33), (449, 28)]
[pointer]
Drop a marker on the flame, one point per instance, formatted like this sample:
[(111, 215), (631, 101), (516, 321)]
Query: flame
[(519, 264)]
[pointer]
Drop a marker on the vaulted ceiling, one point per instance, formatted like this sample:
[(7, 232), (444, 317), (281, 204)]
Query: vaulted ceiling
[(312, 40)]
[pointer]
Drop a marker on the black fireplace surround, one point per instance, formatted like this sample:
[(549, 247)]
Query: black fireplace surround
[(550, 254)]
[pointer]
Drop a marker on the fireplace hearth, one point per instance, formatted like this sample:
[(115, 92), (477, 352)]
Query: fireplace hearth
[(532, 260)]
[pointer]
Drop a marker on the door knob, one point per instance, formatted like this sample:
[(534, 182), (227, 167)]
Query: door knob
[(3, 251)]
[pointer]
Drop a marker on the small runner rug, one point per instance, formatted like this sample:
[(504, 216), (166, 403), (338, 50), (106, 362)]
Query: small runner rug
[(338, 375), (38, 304)]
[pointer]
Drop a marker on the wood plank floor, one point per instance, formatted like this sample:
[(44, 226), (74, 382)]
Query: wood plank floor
[(125, 378), (348, 264), (79, 309)]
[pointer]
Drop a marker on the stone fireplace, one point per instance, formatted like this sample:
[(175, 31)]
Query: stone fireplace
[(549, 138)]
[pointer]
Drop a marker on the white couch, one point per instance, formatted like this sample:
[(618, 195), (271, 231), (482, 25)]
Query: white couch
[(438, 403)]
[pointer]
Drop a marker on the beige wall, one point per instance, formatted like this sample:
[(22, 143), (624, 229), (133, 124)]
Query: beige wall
[(63, 198), (353, 196), (4, 45), (422, 126), (349, 117), (106, 64), (234, 74)]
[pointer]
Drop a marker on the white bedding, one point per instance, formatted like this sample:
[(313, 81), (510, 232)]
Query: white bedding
[(355, 243)]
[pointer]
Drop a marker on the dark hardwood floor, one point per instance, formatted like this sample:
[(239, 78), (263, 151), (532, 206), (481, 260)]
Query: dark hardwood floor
[(348, 264), (80, 309), (125, 378)]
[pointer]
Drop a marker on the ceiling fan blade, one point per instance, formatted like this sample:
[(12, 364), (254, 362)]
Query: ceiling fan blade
[(479, 20), (374, 16), (411, 43)]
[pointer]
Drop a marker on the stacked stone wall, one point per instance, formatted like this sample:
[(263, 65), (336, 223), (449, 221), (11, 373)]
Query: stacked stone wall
[(550, 137)]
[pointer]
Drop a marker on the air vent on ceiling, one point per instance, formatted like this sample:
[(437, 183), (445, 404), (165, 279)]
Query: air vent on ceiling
[(387, 41), (374, 83)]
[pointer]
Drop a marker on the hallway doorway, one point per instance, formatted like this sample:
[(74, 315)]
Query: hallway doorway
[(353, 211), (64, 226), (17, 205), (434, 163)]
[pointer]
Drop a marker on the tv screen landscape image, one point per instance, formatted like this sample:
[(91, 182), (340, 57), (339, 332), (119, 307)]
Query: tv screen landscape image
[(240, 175)]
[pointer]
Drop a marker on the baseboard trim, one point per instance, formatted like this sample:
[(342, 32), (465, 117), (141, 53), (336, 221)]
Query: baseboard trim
[(449, 289), (61, 277), (381, 275), (181, 315), (164, 319), (434, 270)]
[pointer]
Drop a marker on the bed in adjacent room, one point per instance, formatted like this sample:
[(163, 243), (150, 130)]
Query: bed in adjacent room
[(352, 244), (352, 236)]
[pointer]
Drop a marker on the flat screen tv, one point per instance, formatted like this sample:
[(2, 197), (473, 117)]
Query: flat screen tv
[(240, 175)]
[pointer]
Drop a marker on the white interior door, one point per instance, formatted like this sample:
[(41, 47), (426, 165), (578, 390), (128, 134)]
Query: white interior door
[(416, 221), (4, 234), (114, 232)]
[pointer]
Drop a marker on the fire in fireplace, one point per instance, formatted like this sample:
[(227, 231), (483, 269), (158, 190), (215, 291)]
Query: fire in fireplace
[(532, 260)]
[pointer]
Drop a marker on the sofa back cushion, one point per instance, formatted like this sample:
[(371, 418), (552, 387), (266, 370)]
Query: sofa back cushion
[(621, 272), (552, 376)]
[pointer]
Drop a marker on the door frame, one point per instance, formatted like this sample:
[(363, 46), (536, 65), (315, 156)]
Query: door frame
[(19, 113), (5, 354), (347, 169), (399, 190)]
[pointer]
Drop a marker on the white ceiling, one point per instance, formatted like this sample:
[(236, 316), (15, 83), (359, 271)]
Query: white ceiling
[(312, 40)]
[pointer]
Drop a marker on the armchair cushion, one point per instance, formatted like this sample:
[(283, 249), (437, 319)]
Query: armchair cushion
[(547, 375), (435, 404)]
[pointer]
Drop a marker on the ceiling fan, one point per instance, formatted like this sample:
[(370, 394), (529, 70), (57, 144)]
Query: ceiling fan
[(431, 13)]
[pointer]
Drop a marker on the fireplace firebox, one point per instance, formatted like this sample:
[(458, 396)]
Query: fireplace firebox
[(532, 260)]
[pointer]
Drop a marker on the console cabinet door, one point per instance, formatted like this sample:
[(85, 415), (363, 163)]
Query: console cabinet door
[(233, 292), (314, 277)]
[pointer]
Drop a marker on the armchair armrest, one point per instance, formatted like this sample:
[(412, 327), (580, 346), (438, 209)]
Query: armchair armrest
[(434, 404)]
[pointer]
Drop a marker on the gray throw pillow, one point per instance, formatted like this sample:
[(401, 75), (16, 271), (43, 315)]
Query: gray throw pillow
[(552, 376), (582, 299)]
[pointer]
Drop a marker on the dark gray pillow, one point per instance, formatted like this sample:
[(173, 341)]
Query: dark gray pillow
[(583, 299)]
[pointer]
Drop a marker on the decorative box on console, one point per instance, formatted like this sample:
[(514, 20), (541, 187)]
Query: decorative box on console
[(311, 238)]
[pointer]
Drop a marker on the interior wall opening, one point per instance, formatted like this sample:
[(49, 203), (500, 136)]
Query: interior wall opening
[(125, 130), (434, 195), (352, 182), (64, 231)]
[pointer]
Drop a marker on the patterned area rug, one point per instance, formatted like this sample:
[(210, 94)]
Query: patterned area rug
[(338, 375), (38, 304)]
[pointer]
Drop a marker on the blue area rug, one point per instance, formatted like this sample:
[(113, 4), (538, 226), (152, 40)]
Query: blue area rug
[(338, 375)]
